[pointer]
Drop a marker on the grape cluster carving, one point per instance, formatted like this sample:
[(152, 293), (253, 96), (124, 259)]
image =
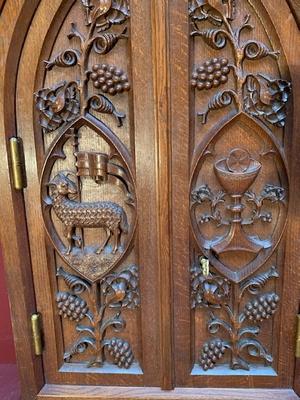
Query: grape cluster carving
[(259, 95), (116, 291), (109, 79), (121, 352), (211, 352), (262, 308), (71, 306), (213, 292), (212, 73)]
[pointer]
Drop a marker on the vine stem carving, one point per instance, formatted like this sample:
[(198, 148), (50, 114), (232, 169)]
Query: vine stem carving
[(115, 291), (213, 292), (59, 105), (262, 96)]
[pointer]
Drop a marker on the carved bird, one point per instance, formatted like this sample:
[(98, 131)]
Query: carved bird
[(213, 10), (93, 11), (101, 9)]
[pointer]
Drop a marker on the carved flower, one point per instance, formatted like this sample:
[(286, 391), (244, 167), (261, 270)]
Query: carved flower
[(273, 193), (202, 194), (57, 105), (121, 289), (208, 291), (267, 98)]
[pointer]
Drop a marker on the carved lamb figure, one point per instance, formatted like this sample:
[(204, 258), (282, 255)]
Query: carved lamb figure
[(73, 214)]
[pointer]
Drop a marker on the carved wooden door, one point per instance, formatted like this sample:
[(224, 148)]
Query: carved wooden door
[(157, 233), (85, 111), (234, 193)]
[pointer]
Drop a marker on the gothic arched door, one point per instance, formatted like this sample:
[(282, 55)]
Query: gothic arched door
[(155, 235)]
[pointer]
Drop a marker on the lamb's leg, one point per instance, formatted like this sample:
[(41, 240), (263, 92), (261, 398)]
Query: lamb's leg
[(108, 235), (117, 233), (69, 235)]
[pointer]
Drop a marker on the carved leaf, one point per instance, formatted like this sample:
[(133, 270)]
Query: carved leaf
[(253, 330), (116, 322), (103, 43), (255, 284), (254, 50), (266, 98), (255, 349), (208, 291), (103, 105), (112, 12), (67, 58), (273, 193), (76, 284), (200, 11), (220, 100), (215, 323), (215, 38), (78, 347), (212, 10)]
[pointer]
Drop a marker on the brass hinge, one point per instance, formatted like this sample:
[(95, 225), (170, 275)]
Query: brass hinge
[(18, 170), (37, 336), (298, 337)]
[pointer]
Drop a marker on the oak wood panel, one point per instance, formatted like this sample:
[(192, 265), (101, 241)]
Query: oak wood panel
[(161, 100), (142, 78), (15, 19), (71, 392), (144, 124), (295, 7), (39, 257), (151, 115), (179, 128), (180, 101), (288, 36)]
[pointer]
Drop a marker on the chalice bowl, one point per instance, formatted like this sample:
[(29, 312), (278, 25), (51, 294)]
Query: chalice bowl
[(236, 173)]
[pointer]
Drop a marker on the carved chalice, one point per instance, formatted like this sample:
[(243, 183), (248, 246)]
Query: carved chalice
[(236, 173)]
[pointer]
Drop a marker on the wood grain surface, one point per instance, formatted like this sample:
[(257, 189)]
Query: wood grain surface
[(170, 153)]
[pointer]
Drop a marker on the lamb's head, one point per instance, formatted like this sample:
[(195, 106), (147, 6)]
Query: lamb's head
[(62, 185)]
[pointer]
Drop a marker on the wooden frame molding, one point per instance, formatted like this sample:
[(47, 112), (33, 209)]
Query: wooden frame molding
[(59, 392), (161, 97), (16, 19)]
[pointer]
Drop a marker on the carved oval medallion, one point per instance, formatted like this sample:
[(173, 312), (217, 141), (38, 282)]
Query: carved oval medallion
[(239, 195), (91, 229)]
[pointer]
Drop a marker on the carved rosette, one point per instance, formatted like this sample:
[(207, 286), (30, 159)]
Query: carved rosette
[(239, 187)]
